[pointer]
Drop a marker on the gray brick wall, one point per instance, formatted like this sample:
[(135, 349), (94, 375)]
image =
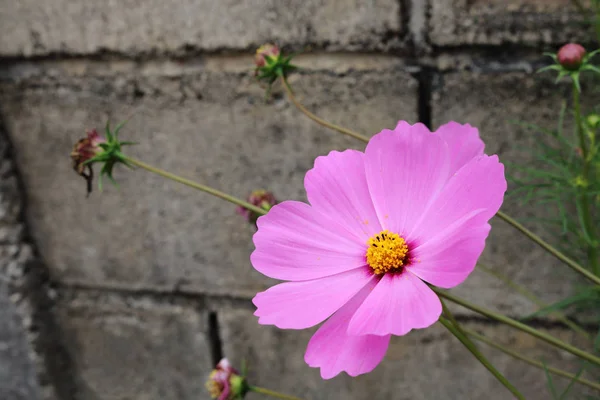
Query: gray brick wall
[(135, 293)]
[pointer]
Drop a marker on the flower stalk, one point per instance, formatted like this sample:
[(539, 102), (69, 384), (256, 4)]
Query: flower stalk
[(530, 361), (588, 223), (549, 248), (480, 357), (318, 120), (195, 185), (518, 325), (464, 339), (272, 393), (523, 291)]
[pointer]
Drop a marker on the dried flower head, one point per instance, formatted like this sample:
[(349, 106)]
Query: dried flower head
[(98, 149), (225, 382), (259, 198), (83, 151)]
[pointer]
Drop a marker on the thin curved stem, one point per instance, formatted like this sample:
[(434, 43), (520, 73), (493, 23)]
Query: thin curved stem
[(530, 361), (195, 185), (588, 223), (518, 325), (318, 120), (272, 393), (549, 248), (448, 314), (522, 290), (480, 357)]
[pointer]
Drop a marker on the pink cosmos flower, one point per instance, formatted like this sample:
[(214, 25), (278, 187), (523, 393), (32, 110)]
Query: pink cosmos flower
[(413, 208)]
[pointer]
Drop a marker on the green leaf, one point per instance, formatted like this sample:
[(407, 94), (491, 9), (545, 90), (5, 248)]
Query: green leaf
[(118, 128), (541, 173), (550, 382), (564, 394), (244, 367), (589, 294), (561, 74), (592, 54), (538, 128), (584, 233), (108, 133), (549, 67)]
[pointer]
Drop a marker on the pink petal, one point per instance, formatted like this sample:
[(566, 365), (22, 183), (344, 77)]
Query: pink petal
[(406, 169), (479, 185), (334, 351), (464, 143), (226, 390), (452, 234), (294, 242), (449, 258), (399, 303), (337, 187), (299, 305)]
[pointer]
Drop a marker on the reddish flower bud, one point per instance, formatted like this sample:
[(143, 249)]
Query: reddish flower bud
[(570, 56), (225, 382), (266, 50), (259, 198), (84, 150)]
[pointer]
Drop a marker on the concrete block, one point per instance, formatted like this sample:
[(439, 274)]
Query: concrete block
[(18, 372), (124, 348), (213, 127), (136, 27), (496, 22)]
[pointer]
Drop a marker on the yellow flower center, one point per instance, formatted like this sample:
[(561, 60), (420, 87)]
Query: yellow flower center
[(214, 388), (386, 252)]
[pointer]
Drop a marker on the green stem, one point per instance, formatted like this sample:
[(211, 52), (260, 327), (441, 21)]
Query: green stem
[(318, 120), (535, 300), (530, 361), (272, 393), (592, 250), (518, 325), (195, 185), (597, 20), (550, 249), (480, 357), (448, 314)]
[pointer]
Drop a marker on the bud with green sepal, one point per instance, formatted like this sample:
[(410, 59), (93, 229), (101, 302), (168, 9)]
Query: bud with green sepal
[(97, 149), (226, 383), (271, 64), (570, 60), (259, 198)]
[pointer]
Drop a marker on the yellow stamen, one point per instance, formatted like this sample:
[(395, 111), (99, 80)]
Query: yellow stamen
[(386, 252), (214, 388)]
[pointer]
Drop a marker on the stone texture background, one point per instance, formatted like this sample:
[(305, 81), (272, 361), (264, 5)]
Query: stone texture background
[(135, 293)]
